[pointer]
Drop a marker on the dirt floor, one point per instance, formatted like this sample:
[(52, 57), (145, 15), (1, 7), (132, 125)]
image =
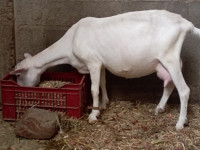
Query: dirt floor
[(8, 140), (124, 125)]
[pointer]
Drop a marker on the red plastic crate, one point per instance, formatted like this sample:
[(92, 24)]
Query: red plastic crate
[(69, 99)]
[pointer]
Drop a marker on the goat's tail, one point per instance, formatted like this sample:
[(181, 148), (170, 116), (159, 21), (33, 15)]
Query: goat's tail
[(196, 32)]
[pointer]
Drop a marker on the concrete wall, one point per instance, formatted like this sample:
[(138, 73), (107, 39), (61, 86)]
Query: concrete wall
[(7, 51), (39, 23)]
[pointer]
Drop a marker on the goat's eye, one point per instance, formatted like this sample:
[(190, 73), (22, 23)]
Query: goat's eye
[(18, 75)]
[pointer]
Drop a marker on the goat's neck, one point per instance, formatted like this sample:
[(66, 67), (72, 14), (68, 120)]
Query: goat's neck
[(58, 53)]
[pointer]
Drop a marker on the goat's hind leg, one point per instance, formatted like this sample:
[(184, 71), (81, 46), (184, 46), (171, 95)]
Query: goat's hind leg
[(166, 93), (174, 67), (168, 87)]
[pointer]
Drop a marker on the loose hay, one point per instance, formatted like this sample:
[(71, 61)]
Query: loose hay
[(128, 125)]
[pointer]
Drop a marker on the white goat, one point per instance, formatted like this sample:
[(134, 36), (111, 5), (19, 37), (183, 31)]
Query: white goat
[(129, 45)]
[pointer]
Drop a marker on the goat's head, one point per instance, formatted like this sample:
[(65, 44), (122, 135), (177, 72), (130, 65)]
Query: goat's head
[(26, 72)]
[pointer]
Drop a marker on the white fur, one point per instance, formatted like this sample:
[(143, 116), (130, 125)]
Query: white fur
[(129, 45), (196, 31)]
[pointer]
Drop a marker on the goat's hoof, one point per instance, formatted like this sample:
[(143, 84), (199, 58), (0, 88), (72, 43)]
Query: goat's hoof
[(179, 127), (180, 124), (186, 122), (159, 110), (102, 106), (92, 120), (93, 116)]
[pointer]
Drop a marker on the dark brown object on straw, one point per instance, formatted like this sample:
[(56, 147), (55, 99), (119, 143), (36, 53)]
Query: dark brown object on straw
[(37, 124)]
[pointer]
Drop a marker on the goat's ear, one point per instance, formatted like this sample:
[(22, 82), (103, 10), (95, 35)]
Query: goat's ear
[(18, 71), (27, 55)]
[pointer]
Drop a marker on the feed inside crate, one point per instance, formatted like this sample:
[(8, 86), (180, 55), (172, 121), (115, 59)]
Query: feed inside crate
[(67, 96), (52, 84)]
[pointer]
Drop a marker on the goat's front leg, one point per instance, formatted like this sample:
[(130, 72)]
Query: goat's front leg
[(105, 99), (95, 70)]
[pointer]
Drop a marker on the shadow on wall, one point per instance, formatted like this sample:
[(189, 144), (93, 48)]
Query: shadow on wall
[(147, 89)]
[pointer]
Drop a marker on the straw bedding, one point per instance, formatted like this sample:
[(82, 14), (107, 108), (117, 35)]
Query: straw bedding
[(130, 125)]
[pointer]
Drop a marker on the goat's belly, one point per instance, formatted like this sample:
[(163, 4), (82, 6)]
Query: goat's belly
[(133, 71)]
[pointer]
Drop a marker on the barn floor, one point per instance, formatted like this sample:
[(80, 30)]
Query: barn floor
[(124, 125), (8, 140)]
